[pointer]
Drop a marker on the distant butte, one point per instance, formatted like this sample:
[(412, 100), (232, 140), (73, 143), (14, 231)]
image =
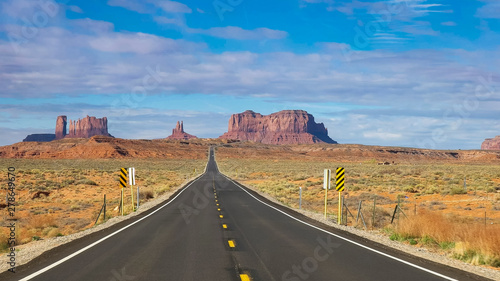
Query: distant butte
[(284, 127), (40, 137), (83, 128), (179, 134), (491, 144)]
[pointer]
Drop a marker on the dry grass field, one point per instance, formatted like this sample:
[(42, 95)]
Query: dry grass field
[(75, 189), (438, 212)]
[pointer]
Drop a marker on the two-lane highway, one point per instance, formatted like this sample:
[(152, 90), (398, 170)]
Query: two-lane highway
[(214, 229)]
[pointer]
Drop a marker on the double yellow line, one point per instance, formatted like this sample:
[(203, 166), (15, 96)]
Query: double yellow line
[(231, 243)]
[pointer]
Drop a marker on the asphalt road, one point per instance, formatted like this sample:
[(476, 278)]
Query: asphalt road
[(214, 229)]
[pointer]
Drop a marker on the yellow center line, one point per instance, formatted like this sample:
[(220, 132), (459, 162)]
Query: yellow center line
[(218, 210), (221, 216), (244, 277), (224, 226), (217, 204), (231, 243)]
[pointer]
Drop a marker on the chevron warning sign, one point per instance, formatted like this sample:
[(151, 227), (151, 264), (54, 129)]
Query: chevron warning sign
[(123, 177), (340, 179)]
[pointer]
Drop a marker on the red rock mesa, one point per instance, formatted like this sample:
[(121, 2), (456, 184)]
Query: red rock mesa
[(83, 128), (491, 144), (284, 127)]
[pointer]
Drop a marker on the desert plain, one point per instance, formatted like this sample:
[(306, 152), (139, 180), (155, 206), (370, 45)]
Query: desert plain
[(450, 200)]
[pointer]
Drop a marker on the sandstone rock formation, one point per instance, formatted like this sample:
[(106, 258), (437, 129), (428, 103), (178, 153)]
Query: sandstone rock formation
[(284, 127), (61, 127), (491, 144), (83, 128), (40, 137), (179, 134)]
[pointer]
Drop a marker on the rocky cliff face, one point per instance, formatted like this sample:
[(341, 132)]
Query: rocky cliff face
[(88, 127), (61, 127), (179, 134), (491, 144), (40, 137), (83, 128), (284, 127)]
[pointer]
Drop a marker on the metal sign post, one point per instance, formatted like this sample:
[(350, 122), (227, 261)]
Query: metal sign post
[(121, 201), (326, 185), (300, 197), (131, 179)]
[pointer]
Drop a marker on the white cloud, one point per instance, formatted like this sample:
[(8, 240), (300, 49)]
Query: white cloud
[(139, 43), (420, 28), (381, 136), (174, 7), (166, 20), (149, 6), (238, 33), (136, 6), (449, 23), (490, 9), (228, 32), (20, 8), (94, 26), (75, 9)]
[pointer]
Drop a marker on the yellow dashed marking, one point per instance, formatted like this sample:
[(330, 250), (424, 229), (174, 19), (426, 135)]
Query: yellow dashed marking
[(217, 204), (221, 216), (244, 277), (224, 226), (218, 210), (231, 243)]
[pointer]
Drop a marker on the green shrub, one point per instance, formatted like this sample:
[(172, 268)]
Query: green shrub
[(86, 181), (447, 245), (458, 190)]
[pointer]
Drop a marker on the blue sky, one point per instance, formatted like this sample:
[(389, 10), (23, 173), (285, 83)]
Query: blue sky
[(417, 73)]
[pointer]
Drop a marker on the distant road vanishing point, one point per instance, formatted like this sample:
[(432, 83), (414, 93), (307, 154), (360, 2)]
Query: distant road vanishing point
[(215, 229)]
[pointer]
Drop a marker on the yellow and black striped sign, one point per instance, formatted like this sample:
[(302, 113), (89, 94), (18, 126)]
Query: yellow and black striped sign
[(340, 179), (123, 177)]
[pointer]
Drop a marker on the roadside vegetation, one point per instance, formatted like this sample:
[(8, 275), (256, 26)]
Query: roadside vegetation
[(439, 213), (60, 197)]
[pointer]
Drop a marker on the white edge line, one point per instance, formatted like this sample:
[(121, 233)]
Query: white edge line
[(343, 238), (104, 238)]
